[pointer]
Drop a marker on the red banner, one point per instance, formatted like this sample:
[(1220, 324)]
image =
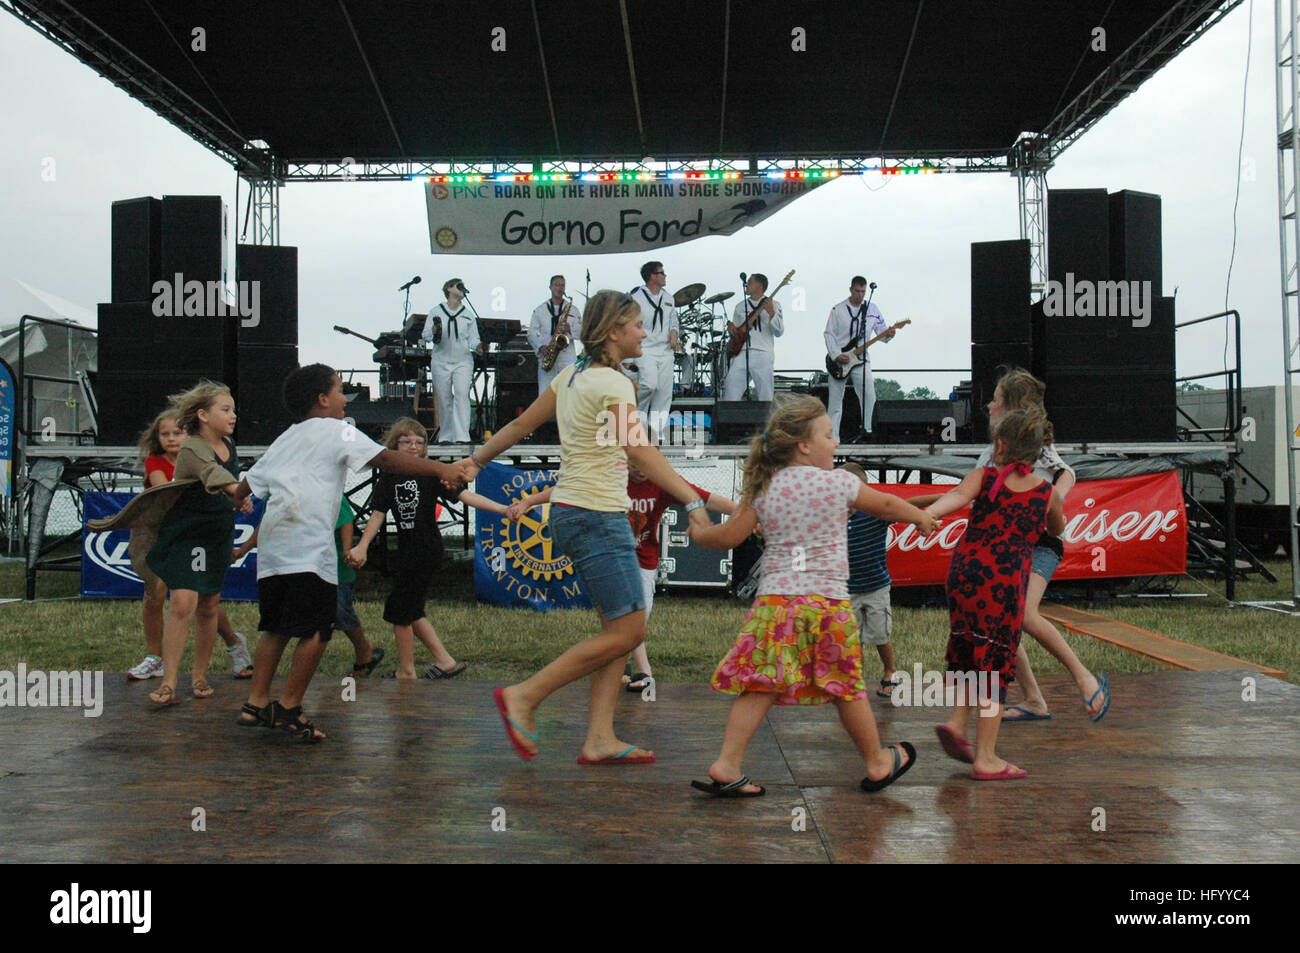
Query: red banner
[(1132, 526)]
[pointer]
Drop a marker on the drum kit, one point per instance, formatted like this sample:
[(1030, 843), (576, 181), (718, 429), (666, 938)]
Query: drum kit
[(701, 342)]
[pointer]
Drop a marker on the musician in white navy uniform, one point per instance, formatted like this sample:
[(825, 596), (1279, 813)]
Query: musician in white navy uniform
[(655, 365), (547, 322), (853, 322), (756, 359), (452, 362)]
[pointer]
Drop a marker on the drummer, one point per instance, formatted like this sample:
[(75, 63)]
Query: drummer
[(654, 368), (756, 361)]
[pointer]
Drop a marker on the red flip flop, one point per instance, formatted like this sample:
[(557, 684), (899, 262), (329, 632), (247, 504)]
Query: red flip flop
[(619, 758), (954, 746), (1009, 773), (498, 696)]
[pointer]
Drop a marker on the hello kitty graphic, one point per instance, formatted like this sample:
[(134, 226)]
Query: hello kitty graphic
[(407, 497)]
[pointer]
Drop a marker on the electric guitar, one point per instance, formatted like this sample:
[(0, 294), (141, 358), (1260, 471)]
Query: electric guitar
[(841, 369), (739, 335)]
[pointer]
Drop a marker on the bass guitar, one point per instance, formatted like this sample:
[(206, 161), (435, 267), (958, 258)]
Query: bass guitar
[(739, 335), (838, 370)]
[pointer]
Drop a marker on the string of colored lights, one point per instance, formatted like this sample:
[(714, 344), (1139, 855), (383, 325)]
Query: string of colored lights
[(689, 175)]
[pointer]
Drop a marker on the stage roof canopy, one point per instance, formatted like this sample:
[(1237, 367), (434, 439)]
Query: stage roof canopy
[(604, 80)]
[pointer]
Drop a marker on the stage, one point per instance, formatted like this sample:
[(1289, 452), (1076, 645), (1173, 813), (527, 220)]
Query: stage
[(1184, 769)]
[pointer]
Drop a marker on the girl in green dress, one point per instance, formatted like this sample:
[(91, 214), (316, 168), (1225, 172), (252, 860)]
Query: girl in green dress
[(195, 537)]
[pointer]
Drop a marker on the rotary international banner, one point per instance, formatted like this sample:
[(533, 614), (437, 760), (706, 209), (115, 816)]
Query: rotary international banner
[(517, 564), (1133, 526), (106, 571), (553, 218)]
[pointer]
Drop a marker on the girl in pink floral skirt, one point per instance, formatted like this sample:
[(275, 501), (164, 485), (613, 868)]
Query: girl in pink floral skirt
[(799, 643)]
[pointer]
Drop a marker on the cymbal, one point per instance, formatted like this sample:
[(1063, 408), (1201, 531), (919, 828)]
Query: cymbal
[(719, 297), (688, 294)]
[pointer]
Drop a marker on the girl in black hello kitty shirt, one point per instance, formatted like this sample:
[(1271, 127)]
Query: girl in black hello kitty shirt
[(413, 502)]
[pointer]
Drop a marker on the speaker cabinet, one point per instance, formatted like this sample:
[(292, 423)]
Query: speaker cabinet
[(736, 421), (999, 291), (1135, 239), (1078, 234), (988, 362), (129, 401), (271, 273), (259, 402), (133, 340), (137, 249), (194, 238)]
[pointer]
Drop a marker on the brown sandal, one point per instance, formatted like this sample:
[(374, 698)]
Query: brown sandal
[(164, 696), (202, 689)]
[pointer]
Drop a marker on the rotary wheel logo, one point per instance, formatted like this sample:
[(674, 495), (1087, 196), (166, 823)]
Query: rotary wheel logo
[(446, 237), (529, 546)]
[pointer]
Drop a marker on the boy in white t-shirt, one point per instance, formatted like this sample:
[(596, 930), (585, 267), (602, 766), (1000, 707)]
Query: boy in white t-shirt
[(301, 476)]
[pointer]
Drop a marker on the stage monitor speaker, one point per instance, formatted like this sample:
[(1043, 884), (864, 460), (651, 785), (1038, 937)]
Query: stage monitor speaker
[(1064, 342), (129, 401), (137, 249), (735, 421), (913, 421), (1112, 404), (194, 238), (999, 291), (133, 340), (1078, 234), (274, 269), (1135, 238), (259, 403), (987, 363), (516, 363), (513, 399)]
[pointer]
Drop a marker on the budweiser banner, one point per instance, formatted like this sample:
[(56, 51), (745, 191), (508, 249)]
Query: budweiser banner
[(554, 218), (1133, 526)]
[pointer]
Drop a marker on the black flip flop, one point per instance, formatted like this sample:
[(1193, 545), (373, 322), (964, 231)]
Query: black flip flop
[(733, 789), (898, 772), (434, 672), (638, 677), (263, 716), (364, 670)]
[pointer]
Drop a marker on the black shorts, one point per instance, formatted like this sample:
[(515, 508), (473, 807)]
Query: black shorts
[(406, 602), (298, 605)]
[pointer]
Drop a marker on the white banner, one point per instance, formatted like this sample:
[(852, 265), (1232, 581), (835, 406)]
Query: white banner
[(556, 218)]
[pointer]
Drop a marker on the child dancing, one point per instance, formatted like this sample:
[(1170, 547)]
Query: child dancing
[(799, 643), (414, 502), (987, 581)]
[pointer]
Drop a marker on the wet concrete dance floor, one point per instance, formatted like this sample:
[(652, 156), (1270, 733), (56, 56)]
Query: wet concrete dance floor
[(1184, 769)]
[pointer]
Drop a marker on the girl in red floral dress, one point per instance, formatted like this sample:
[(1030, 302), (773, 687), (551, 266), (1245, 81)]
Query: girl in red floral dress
[(987, 582), (799, 644)]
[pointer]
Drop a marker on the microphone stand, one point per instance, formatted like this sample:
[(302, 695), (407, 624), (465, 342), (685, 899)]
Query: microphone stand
[(480, 363), (744, 291), (862, 434)]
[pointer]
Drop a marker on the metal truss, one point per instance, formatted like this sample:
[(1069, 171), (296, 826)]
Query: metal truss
[(1185, 21), (1287, 78), (1029, 165)]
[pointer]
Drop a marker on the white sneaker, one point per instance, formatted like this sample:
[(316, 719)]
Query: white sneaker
[(151, 667), (239, 657)]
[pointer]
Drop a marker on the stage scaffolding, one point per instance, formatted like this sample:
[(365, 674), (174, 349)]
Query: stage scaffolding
[(1287, 75)]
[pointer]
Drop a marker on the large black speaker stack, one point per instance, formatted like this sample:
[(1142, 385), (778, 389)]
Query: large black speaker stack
[(1108, 379), (157, 340)]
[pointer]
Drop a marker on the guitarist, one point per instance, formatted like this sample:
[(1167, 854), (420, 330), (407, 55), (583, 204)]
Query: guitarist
[(755, 362), (548, 320), (851, 322)]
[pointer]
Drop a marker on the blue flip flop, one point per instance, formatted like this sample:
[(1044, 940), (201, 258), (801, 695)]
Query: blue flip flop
[(1025, 714), (1102, 687)]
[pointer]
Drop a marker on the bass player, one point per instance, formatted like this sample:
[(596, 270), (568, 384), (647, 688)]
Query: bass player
[(852, 322)]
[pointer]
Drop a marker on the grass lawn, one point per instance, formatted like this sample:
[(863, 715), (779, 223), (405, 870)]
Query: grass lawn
[(689, 633)]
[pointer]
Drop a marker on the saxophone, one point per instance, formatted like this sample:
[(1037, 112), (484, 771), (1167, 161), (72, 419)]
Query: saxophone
[(561, 341)]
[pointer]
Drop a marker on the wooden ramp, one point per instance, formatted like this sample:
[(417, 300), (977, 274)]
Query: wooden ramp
[(1193, 658)]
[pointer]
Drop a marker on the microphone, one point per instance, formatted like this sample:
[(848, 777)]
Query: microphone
[(743, 277), (872, 286), (460, 286), (413, 281)]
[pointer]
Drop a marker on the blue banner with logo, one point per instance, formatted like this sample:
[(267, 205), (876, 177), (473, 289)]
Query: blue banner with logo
[(516, 564), (8, 419), (106, 571)]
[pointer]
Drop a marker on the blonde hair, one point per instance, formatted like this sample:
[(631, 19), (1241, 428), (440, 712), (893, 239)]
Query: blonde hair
[(150, 444), (404, 427), (790, 423), (1021, 390), (605, 311), (1022, 433), (199, 397), (855, 469)]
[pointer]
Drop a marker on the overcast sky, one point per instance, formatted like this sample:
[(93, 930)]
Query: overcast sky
[(1177, 136)]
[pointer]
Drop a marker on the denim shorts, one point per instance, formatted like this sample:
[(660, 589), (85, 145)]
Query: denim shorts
[(345, 616), (1044, 562), (603, 552)]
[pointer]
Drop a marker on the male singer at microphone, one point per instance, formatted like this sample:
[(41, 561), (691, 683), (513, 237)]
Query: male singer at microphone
[(655, 365), (756, 359), (547, 322), (851, 323), (452, 362)]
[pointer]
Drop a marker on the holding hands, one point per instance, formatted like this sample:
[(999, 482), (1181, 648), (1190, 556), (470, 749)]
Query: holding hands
[(356, 556)]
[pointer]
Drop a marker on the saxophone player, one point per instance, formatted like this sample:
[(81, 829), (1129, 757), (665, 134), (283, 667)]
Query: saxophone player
[(549, 323)]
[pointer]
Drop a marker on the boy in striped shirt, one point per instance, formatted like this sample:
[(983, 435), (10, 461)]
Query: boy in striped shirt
[(869, 586)]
